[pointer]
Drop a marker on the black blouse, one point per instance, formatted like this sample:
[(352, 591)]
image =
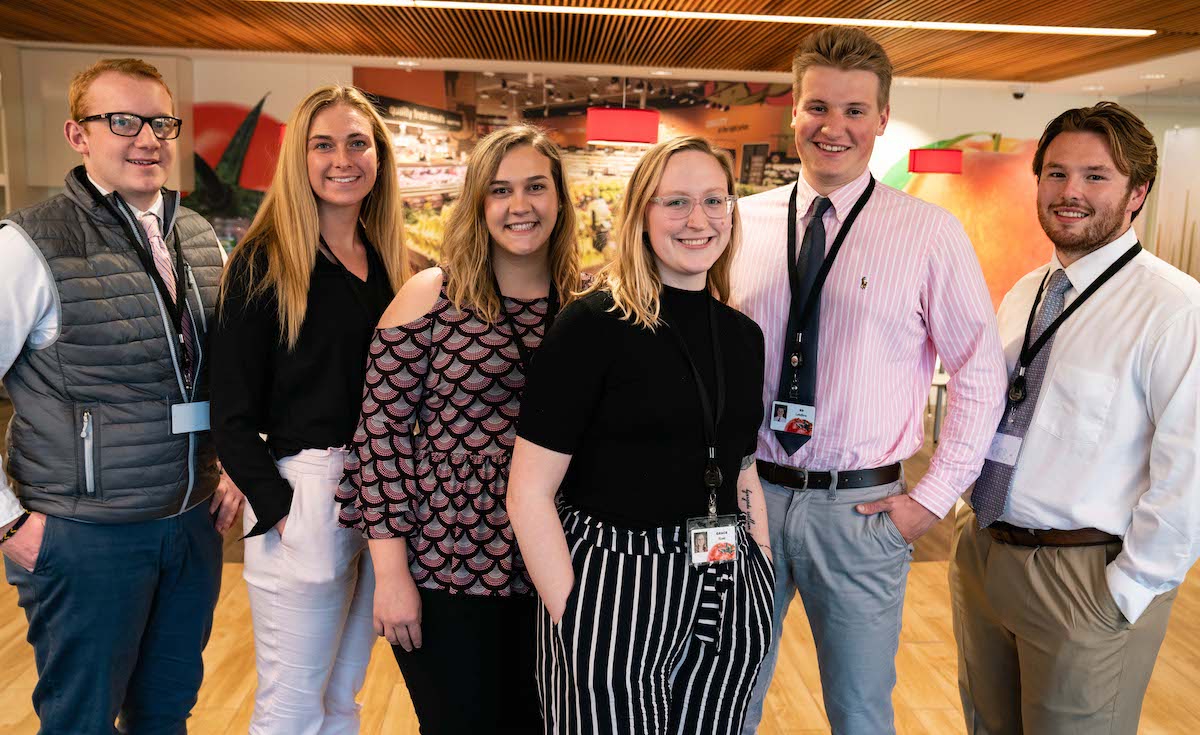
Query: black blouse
[(622, 401), (304, 398)]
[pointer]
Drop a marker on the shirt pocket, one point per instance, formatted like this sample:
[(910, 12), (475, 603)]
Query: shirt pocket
[(1074, 405)]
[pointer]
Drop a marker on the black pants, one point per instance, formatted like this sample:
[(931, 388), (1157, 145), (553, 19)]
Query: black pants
[(649, 644), (473, 673)]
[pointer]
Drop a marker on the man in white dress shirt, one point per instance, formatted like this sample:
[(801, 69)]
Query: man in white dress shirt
[(1086, 516)]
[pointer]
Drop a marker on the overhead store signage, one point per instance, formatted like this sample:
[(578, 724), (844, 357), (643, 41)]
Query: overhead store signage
[(410, 112)]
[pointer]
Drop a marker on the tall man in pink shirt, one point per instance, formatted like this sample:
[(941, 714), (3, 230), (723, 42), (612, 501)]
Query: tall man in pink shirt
[(880, 284)]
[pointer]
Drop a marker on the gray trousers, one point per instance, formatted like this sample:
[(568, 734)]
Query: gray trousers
[(850, 571)]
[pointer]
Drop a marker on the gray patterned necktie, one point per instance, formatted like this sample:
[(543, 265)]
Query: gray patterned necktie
[(991, 489)]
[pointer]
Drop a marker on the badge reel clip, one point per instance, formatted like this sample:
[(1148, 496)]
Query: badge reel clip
[(712, 539)]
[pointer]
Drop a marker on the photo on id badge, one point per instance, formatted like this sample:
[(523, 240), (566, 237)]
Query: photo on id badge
[(713, 544), (792, 418)]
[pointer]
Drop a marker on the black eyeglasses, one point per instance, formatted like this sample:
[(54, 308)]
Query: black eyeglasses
[(129, 124)]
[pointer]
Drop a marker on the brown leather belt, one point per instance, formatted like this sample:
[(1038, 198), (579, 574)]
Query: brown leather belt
[(798, 478), (1007, 533)]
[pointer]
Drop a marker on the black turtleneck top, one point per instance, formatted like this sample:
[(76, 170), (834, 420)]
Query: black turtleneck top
[(622, 401)]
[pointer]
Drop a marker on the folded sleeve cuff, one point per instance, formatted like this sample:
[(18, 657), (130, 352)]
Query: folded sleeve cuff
[(937, 497), (1131, 597)]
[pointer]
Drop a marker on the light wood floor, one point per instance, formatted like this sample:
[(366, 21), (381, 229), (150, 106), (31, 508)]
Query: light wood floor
[(926, 697)]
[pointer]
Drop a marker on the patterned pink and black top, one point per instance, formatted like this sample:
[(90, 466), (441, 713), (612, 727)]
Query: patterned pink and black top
[(429, 459)]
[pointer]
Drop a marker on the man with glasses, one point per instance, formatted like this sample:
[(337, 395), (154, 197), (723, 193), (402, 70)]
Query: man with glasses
[(106, 292)]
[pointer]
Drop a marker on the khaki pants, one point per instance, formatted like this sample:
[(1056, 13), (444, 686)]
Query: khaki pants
[(1043, 648)]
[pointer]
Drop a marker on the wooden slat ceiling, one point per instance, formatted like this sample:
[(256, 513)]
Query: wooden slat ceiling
[(701, 44)]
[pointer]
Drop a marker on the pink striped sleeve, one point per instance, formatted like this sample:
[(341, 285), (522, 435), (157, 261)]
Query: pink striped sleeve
[(960, 322)]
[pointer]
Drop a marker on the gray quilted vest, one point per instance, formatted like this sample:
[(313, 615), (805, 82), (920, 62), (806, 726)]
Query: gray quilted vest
[(91, 437)]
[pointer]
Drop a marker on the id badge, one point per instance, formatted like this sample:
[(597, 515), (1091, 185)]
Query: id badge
[(712, 540), (1004, 449), (189, 417), (793, 418)]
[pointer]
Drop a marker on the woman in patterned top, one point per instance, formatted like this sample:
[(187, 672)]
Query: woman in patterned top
[(428, 469)]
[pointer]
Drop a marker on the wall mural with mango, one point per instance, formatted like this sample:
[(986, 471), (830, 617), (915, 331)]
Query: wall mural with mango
[(995, 199)]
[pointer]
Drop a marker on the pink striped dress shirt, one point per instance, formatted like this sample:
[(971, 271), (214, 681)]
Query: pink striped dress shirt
[(905, 288)]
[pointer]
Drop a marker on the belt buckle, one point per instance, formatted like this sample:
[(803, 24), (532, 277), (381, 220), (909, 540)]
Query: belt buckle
[(804, 474)]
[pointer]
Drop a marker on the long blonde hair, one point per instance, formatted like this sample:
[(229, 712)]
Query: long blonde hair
[(632, 277), (467, 247), (286, 229)]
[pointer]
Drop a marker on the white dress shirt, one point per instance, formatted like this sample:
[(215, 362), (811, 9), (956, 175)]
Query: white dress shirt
[(1114, 442), (29, 313)]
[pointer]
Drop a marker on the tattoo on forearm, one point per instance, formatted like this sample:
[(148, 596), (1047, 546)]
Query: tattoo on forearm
[(745, 493), (747, 461)]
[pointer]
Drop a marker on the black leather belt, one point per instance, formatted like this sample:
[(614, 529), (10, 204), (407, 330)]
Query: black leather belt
[(798, 478)]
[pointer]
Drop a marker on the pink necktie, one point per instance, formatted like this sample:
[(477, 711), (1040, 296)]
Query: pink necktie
[(162, 261)]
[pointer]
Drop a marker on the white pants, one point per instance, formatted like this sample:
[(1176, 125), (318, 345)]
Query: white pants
[(311, 596)]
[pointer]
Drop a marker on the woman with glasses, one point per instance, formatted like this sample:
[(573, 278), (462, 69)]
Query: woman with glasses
[(297, 309), (428, 472), (641, 415)]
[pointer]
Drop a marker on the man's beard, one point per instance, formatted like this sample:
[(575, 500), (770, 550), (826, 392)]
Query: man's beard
[(1105, 226)]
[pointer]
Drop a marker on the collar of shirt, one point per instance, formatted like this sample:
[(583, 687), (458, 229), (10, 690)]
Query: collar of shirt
[(158, 208), (1087, 269), (843, 197)]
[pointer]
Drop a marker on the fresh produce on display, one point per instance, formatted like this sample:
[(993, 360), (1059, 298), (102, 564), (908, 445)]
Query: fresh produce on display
[(780, 170)]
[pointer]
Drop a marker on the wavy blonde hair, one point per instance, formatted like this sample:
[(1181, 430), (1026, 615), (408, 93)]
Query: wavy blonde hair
[(632, 277), (286, 229), (467, 247)]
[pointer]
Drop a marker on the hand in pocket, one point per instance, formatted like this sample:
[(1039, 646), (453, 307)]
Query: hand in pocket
[(25, 546)]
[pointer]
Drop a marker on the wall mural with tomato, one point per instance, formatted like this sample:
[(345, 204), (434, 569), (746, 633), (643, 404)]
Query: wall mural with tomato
[(995, 198), (236, 148)]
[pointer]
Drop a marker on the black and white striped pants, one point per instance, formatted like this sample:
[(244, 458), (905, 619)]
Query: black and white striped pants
[(649, 644)]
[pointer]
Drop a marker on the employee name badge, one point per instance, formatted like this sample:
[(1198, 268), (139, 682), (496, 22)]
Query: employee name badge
[(712, 539), (793, 418), (1004, 449), (189, 417)]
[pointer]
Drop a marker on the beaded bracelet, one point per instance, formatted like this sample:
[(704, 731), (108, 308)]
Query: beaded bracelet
[(15, 527)]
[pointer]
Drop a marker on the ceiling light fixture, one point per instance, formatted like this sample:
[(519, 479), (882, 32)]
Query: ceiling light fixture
[(935, 161), (507, 7), (407, 63), (1093, 88), (1152, 76), (618, 125)]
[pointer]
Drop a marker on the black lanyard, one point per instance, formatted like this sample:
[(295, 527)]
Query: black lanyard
[(1016, 389), (174, 309), (523, 350), (711, 418), (794, 341)]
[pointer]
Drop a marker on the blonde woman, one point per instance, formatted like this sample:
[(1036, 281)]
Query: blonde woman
[(450, 357), (641, 415), (298, 305)]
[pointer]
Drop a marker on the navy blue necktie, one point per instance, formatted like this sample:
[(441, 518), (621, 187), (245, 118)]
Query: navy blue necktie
[(812, 254)]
